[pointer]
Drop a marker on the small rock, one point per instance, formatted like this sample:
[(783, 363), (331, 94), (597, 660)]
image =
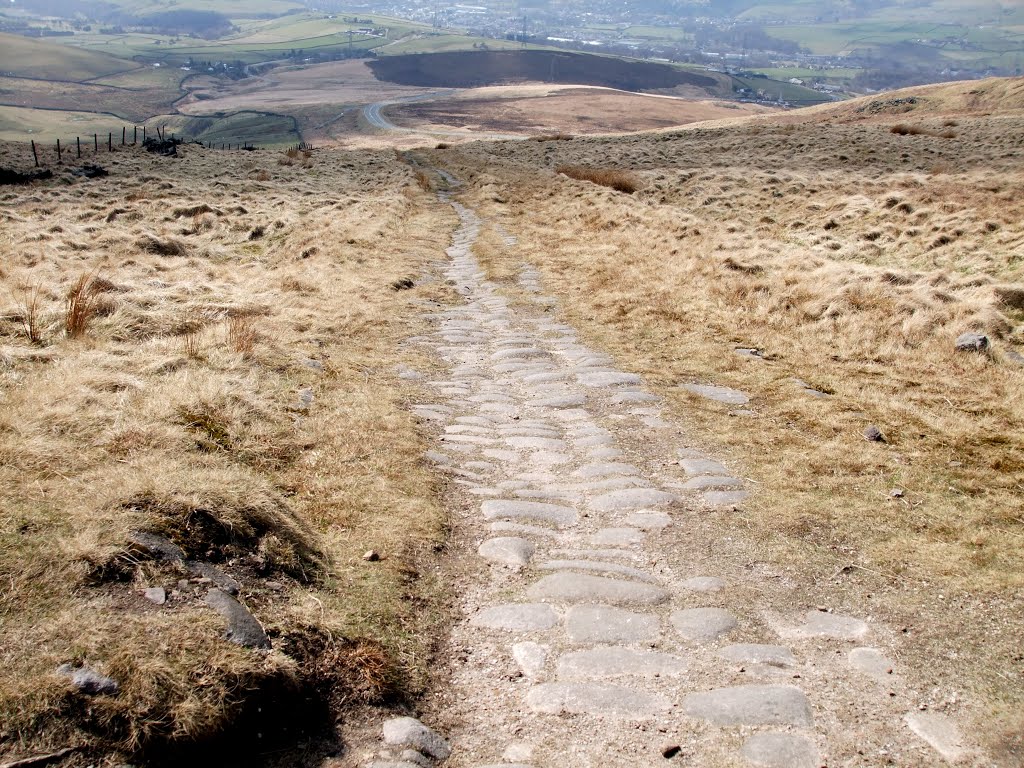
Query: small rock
[(215, 576), (243, 628), (371, 556), (156, 595), (874, 435), (89, 682), (896, 493), (410, 732), (313, 365), (156, 546), (972, 342)]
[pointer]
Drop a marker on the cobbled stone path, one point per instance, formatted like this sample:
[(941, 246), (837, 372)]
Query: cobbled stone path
[(579, 645)]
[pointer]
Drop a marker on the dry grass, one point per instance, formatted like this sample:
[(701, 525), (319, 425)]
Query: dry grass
[(832, 248), (165, 373), (620, 181)]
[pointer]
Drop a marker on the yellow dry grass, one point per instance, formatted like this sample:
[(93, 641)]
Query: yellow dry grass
[(205, 348), (852, 257)]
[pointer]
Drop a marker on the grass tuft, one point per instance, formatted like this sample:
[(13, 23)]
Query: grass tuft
[(620, 181)]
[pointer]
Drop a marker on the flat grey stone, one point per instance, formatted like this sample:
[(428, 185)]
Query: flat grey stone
[(750, 353), (516, 617), (532, 530), (871, 662), (587, 624), (615, 569), (156, 546), (507, 550), (711, 481), (500, 454), (821, 624), (619, 662), (972, 342), (702, 625), (243, 628), (410, 732), (649, 521), (157, 595), (605, 469), (753, 653), (607, 379), (518, 354), (535, 443), (531, 657), (631, 396), (88, 681), (725, 498), (412, 756), (595, 699), (696, 466), (561, 517), (631, 498), (579, 587), (612, 484), (718, 394), (563, 401), (781, 750), (703, 584), (939, 732), (617, 537), (547, 377), (751, 705)]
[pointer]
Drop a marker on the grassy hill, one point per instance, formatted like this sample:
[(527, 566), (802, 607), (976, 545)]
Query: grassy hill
[(33, 58)]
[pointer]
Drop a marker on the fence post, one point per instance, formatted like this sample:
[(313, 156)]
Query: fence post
[(95, 142), (135, 134), (110, 141), (78, 145), (59, 160), (34, 155), (124, 134)]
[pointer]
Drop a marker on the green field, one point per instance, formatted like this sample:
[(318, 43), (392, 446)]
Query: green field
[(25, 57), (43, 125)]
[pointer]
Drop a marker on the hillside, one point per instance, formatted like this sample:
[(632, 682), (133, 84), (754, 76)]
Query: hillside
[(40, 60)]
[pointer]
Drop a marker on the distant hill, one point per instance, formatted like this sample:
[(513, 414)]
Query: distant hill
[(41, 60), (469, 69)]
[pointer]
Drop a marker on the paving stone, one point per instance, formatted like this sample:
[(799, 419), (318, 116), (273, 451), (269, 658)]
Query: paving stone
[(578, 588), (751, 705), (563, 401), (606, 452), (535, 443), (561, 517), (753, 653), (617, 537), (617, 662), (821, 624), (630, 498), (649, 521), (577, 554), (725, 498), (612, 484), (703, 584), (507, 550), (547, 377), (871, 662), (516, 617), (587, 624), (602, 567), (533, 493), (939, 732), (781, 750), (518, 354), (702, 625), (711, 481), (604, 469), (631, 396), (531, 657), (719, 394), (437, 458), (470, 439), (410, 732), (595, 699), (607, 379)]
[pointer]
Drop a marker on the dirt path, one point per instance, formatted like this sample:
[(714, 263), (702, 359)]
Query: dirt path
[(604, 625)]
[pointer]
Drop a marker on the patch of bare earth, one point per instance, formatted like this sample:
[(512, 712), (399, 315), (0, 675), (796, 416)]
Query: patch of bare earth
[(850, 257), (199, 396)]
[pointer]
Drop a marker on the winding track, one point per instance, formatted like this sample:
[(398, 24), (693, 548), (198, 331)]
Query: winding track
[(599, 635)]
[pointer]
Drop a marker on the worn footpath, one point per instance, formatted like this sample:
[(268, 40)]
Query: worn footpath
[(597, 634)]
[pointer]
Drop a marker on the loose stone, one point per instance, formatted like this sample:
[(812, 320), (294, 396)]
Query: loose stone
[(507, 550), (696, 466), (725, 498), (516, 617), (649, 521), (702, 625), (410, 732), (781, 750), (719, 394), (587, 624), (588, 471), (619, 662), (88, 681), (243, 628), (607, 379), (711, 481), (751, 705), (531, 657), (940, 732), (578, 588), (595, 699), (156, 595)]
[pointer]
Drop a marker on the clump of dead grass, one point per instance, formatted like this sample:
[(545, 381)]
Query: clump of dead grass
[(620, 181)]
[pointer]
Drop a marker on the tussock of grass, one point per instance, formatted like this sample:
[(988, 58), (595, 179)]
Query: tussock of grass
[(177, 412), (620, 181)]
